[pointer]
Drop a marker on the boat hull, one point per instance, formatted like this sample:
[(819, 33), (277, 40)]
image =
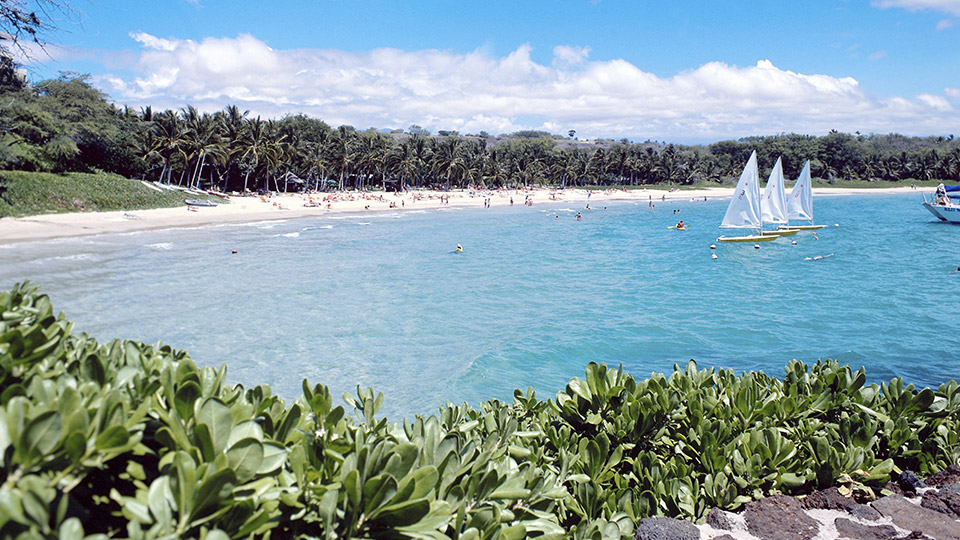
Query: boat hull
[(950, 214), (750, 238), (780, 232), (800, 227), (191, 202)]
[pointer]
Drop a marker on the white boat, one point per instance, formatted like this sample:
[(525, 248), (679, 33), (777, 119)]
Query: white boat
[(941, 205), (800, 203), (773, 205), (744, 209)]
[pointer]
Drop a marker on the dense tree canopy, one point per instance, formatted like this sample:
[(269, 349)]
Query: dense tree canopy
[(66, 124)]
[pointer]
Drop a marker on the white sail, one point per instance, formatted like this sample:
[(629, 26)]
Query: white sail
[(773, 206), (800, 203), (744, 209)]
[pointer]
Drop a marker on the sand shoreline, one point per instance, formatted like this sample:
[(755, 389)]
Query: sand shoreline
[(289, 206)]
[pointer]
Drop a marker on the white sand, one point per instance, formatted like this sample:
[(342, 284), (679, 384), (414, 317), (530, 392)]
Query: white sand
[(285, 206)]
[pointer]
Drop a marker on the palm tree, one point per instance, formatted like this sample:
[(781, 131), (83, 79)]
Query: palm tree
[(341, 150), (232, 128), (168, 135), (448, 160), (202, 139)]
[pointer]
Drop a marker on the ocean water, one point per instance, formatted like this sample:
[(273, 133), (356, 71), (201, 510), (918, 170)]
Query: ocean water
[(381, 300)]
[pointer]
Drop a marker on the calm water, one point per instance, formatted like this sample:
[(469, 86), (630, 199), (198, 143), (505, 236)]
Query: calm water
[(381, 300)]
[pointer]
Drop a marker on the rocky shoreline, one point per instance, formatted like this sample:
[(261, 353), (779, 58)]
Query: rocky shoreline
[(915, 510)]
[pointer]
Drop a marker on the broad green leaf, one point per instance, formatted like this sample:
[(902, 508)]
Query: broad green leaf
[(113, 437), (208, 494), (187, 394), (160, 502), (42, 435), (216, 416), (274, 456), (245, 458), (404, 514), (244, 430), (71, 528)]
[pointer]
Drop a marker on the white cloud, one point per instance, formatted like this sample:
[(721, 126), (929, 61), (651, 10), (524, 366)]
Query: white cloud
[(938, 103), (944, 6), (476, 91), (953, 93), (564, 55), (944, 24), (879, 55)]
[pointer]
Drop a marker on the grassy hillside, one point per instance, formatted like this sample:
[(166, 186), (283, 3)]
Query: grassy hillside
[(32, 193)]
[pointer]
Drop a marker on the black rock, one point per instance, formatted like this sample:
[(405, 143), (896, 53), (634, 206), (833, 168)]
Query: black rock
[(911, 517), (950, 488), (832, 499), (660, 528), (718, 519), (932, 502), (950, 475), (908, 481), (779, 518), (852, 529)]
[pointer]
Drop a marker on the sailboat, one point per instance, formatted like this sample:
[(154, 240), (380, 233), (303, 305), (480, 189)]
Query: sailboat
[(800, 203), (744, 209), (773, 205)]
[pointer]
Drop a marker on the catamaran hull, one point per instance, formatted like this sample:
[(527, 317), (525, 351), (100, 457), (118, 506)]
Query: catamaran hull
[(950, 214), (751, 238), (780, 232), (800, 227)]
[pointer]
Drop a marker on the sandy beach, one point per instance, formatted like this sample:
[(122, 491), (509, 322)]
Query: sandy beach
[(286, 206)]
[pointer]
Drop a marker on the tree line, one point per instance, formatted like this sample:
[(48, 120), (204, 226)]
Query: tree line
[(66, 124)]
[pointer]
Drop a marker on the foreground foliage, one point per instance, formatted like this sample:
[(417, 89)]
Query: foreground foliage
[(129, 440)]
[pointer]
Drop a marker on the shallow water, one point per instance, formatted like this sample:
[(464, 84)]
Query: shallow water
[(381, 300)]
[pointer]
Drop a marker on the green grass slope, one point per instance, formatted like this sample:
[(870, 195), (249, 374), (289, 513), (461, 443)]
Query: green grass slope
[(31, 193)]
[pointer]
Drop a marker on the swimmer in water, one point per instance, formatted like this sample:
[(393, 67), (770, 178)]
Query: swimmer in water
[(459, 249)]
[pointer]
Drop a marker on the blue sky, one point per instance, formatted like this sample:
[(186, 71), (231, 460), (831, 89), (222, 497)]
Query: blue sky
[(679, 70)]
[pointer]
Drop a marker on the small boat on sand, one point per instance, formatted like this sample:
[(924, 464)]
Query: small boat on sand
[(192, 202)]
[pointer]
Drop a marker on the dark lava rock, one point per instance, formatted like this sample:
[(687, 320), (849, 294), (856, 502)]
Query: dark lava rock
[(725, 537), (950, 488), (915, 535), (950, 475), (909, 481), (718, 519), (932, 502), (779, 518), (856, 531), (945, 502), (915, 518), (660, 528), (832, 499), (893, 487)]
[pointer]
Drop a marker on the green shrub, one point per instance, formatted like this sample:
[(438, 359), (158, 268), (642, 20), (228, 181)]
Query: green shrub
[(135, 441)]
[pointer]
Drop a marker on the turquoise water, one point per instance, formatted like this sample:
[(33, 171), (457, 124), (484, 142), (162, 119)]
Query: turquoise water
[(381, 300)]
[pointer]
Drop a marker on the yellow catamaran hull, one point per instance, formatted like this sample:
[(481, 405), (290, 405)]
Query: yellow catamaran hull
[(751, 238)]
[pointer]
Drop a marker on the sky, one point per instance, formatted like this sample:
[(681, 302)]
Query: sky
[(676, 70)]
